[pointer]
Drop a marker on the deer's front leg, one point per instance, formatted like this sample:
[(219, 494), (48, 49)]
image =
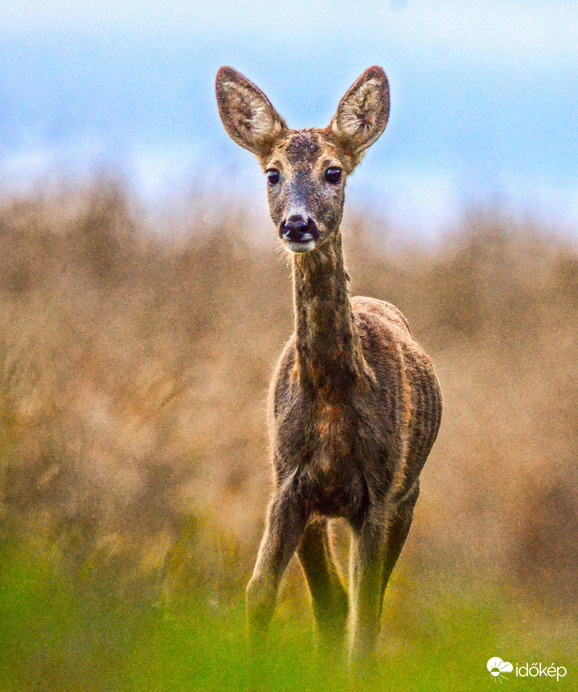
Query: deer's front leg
[(375, 547), (368, 549), (285, 525)]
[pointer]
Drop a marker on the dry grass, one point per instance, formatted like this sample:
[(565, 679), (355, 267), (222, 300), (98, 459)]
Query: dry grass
[(133, 376)]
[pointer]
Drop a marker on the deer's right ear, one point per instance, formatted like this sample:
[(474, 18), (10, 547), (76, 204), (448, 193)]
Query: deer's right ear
[(246, 112)]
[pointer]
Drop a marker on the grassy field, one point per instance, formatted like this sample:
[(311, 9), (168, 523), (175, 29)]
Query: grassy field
[(62, 633), (134, 362)]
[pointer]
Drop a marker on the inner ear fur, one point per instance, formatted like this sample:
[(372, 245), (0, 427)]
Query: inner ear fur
[(247, 114), (363, 112)]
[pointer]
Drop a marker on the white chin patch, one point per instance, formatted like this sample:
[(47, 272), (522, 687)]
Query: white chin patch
[(300, 247)]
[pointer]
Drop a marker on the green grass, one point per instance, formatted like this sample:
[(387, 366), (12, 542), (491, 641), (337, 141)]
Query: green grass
[(57, 634)]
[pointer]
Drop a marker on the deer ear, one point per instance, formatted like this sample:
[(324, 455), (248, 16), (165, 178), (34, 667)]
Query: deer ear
[(247, 114), (362, 113)]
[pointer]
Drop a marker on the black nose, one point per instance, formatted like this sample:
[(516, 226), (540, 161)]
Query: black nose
[(297, 230)]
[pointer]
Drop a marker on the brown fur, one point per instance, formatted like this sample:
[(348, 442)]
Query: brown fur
[(355, 406)]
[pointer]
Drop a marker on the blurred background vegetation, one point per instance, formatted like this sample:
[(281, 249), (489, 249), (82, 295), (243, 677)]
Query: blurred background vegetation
[(134, 362)]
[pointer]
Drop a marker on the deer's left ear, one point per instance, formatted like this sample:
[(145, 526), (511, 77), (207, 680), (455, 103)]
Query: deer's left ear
[(363, 112)]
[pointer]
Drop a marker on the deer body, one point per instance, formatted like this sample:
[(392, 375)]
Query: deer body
[(354, 404)]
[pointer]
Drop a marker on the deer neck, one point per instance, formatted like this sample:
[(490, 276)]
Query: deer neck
[(329, 357)]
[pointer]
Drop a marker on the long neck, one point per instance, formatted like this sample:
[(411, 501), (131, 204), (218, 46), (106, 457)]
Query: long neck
[(329, 354)]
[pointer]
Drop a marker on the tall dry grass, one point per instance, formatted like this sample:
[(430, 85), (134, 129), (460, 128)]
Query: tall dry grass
[(133, 373)]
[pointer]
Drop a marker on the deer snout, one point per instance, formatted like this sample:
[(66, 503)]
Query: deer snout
[(298, 234)]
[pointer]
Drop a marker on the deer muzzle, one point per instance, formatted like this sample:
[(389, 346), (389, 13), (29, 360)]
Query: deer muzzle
[(298, 234)]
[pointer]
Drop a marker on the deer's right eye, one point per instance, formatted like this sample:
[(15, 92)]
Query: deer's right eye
[(273, 176)]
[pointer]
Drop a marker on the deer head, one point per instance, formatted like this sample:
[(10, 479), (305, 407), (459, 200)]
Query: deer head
[(306, 169)]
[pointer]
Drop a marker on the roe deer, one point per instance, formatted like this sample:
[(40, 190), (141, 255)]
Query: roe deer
[(355, 405)]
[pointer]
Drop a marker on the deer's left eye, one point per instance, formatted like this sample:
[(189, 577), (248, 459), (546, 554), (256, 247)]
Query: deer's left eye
[(333, 175)]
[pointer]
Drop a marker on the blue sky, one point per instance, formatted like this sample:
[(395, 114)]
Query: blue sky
[(484, 94)]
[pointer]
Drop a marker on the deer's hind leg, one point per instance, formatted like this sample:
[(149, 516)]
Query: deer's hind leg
[(330, 603)]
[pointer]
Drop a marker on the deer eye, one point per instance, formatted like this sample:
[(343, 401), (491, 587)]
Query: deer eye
[(333, 175), (273, 176)]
